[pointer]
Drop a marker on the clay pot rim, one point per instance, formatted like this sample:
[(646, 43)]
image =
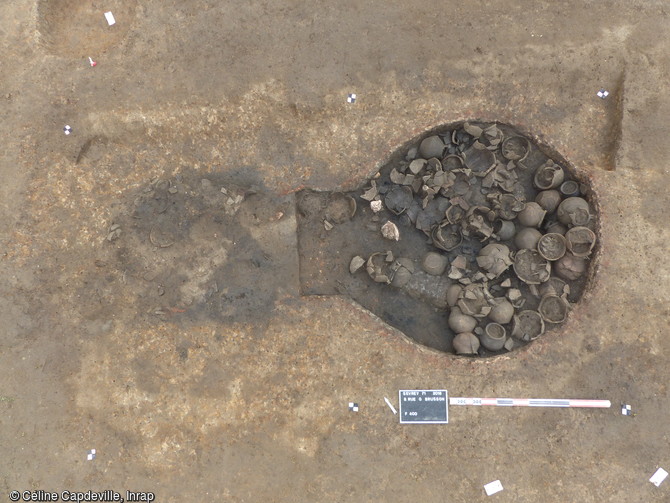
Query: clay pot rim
[(496, 337), (562, 240), (525, 251), (553, 296), (527, 143), (568, 243)]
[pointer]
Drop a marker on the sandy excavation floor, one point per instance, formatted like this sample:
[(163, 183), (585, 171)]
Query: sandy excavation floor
[(159, 320)]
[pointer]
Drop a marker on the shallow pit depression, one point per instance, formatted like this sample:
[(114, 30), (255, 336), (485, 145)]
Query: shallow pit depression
[(472, 239)]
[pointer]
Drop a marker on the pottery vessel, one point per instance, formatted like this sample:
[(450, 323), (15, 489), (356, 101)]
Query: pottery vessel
[(549, 200), (528, 325), (580, 241), (574, 211), (466, 343), (531, 267), (551, 246), (494, 337), (553, 309)]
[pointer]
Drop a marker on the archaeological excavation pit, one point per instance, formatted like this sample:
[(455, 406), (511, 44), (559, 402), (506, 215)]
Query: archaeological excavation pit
[(472, 239)]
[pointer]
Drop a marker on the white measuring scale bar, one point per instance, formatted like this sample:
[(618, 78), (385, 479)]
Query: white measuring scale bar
[(531, 402)]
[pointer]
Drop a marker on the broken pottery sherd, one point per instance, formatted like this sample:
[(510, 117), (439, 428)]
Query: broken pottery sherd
[(356, 263), (432, 146)]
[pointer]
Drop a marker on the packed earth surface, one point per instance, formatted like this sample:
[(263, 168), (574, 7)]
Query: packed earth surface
[(179, 312)]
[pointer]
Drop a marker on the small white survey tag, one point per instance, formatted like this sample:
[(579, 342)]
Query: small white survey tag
[(493, 487), (110, 18), (658, 477)]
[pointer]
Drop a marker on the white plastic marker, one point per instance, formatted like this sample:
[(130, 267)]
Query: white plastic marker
[(493, 487), (390, 405), (90, 60), (531, 402), (658, 477), (110, 18)]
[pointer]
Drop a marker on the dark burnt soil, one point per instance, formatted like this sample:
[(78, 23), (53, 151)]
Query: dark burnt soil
[(193, 248)]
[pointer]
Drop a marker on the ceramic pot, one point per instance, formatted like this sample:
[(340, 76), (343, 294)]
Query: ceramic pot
[(551, 246), (527, 238), (528, 325), (531, 267), (399, 199), (504, 229), (570, 267), (502, 311), (403, 268), (378, 268), (434, 263), (574, 211), (532, 215), (453, 293), (555, 286), (446, 237), (570, 188), (460, 322), (556, 228), (548, 176), (553, 309), (466, 343), (454, 214), (341, 208), (580, 241), (549, 200), (515, 148), (494, 337), (452, 162), (494, 258)]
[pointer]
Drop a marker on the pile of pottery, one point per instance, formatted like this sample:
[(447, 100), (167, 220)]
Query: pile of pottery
[(508, 229)]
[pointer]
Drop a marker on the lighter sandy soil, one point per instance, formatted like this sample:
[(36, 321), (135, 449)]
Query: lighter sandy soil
[(196, 370)]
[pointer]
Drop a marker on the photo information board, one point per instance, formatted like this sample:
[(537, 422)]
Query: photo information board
[(423, 406)]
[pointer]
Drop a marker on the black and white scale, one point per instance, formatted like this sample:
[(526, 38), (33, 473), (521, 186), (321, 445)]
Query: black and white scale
[(431, 406)]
